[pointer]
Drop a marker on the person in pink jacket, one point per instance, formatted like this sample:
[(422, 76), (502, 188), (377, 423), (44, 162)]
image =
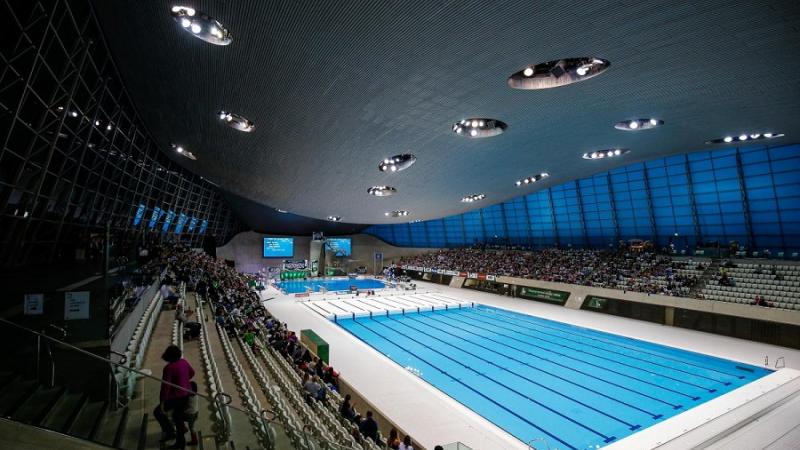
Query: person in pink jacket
[(177, 372)]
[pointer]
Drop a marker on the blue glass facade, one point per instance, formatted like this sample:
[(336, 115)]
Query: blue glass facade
[(750, 195)]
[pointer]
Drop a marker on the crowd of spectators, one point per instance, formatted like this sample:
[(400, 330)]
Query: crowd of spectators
[(239, 312), (640, 270)]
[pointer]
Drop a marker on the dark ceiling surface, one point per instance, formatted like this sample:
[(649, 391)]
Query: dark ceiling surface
[(336, 86)]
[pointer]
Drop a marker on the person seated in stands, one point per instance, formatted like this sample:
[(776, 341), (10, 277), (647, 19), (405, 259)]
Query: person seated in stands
[(761, 302), (177, 372), (406, 444), (331, 378), (191, 330), (393, 441), (369, 428), (312, 387), (168, 294), (249, 338), (347, 410)]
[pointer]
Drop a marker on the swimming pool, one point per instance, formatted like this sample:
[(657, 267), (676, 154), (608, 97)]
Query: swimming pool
[(331, 284), (573, 387)]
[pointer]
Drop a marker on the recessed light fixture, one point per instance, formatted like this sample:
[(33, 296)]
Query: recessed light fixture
[(745, 137), (201, 25), (638, 124), (335, 218), (236, 121), (532, 179), (560, 72), (473, 198), (397, 163), (183, 152), (479, 128), (381, 191), (415, 221), (282, 211), (606, 153), (398, 213)]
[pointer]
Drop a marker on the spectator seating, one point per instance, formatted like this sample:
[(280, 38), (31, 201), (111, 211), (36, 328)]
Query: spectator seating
[(748, 281)]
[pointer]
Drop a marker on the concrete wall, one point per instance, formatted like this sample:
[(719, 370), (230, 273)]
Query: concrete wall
[(245, 249), (578, 293)]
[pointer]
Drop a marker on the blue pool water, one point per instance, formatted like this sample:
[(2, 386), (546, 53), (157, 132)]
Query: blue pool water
[(331, 284), (574, 387)]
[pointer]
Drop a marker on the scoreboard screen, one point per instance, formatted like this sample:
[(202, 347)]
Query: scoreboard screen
[(278, 247)]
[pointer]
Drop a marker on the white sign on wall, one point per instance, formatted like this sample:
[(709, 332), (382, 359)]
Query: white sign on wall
[(76, 305), (34, 304)]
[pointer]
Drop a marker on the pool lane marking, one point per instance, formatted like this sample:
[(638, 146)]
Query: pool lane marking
[(563, 327), (445, 373), (524, 320), (651, 414), (354, 306), (604, 436), (320, 307), (626, 375), (592, 354), (513, 372), (435, 301), (331, 302), (369, 302), (393, 306)]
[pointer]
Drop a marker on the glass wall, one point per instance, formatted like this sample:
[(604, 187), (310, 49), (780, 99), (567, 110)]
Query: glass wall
[(750, 195), (76, 157)]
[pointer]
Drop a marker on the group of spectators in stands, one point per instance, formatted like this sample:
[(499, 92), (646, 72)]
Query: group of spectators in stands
[(634, 270)]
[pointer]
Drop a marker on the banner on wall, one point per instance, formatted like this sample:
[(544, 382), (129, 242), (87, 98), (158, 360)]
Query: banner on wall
[(76, 305), (300, 264), (491, 277), (427, 270), (548, 295), (34, 304)]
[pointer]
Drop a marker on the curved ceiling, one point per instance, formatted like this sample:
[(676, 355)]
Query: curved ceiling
[(334, 87)]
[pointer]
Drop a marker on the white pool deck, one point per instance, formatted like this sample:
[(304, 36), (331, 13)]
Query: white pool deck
[(763, 414)]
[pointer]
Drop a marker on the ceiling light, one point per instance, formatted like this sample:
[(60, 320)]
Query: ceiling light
[(560, 72), (606, 153), (60, 108), (201, 25), (745, 137), (473, 198), (97, 123), (74, 113), (183, 152), (381, 191), (638, 124), (532, 179), (481, 127), (109, 127), (397, 163), (237, 121), (397, 213), (282, 211), (334, 218)]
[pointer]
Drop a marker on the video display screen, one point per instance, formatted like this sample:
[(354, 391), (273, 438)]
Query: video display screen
[(278, 247), (340, 246)]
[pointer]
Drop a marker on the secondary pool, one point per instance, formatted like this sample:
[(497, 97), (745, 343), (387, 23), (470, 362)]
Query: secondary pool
[(573, 387), (331, 284)]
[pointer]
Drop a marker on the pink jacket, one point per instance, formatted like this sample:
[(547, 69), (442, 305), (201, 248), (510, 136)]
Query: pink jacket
[(180, 373)]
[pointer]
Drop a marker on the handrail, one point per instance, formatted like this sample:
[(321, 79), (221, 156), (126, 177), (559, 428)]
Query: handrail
[(108, 361), (62, 330)]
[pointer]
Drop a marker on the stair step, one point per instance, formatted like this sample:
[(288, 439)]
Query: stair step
[(14, 393), (86, 420), (36, 407), (61, 411), (109, 425)]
